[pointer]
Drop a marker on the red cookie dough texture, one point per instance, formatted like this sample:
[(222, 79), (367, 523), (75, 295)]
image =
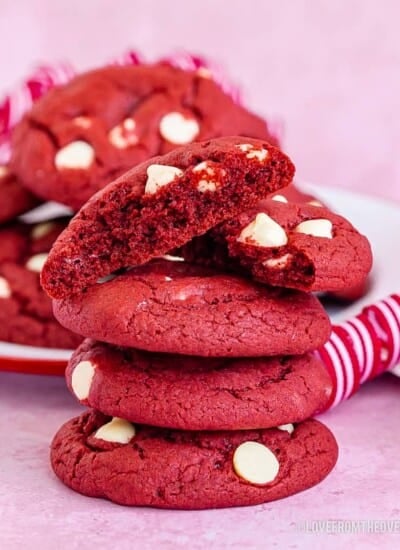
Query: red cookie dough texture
[(162, 204), (193, 393), (143, 466), (176, 307), (80, 136), (288, 245), (14, 199), (26, 315)]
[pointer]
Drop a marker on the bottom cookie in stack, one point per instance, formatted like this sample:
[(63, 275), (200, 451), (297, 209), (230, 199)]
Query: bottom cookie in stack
[(139, 465), (183, 431)]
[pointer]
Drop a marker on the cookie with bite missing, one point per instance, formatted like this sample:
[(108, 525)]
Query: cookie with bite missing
[(80, 136), (292, 193), (14, 199), (174, 307), (26, 315), (289, 245), (137, 465), (162, 204), (194, 393)]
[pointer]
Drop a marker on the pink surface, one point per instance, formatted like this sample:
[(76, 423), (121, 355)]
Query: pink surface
[(329, 69), (37, 510)]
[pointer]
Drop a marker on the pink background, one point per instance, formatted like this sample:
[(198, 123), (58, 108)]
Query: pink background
[(329, 69)]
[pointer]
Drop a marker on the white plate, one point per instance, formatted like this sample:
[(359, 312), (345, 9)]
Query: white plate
[(378, 219)]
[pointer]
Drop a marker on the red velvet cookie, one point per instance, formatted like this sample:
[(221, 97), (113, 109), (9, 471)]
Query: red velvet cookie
[(144, 466), (292, 193), (14, 199), (82, 135), (175, 307), (289, 245), (193, 393), (26, 315), (161, 204)]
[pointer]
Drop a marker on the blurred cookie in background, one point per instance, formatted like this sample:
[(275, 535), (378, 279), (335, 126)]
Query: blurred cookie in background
[(81, 136), (26, 315), (14, 198)]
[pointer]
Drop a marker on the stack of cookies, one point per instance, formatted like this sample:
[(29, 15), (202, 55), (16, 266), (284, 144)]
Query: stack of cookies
[(199, 373)]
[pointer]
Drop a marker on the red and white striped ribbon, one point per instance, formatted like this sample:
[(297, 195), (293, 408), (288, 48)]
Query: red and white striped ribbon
[(362, 348), (20, 100)]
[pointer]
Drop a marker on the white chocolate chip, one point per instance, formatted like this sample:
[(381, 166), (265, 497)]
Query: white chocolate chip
[(159, 175), (106, 278), (255, 463), (289, 428), (36, 262), (4, 171), (252, 152), (177, 129), (203, 167), (82, 122), (314, 202), (117, 430), (245, 147), (82, 378), (170, 258), (207, 183), (5, 290), (42, 229), (316, 228), (204, 72), (279, 198), (263, 231), (124, 135), (277, 263), (78, 155), (259, 154)]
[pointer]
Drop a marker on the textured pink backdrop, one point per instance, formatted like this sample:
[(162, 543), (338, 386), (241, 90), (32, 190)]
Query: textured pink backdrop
[(329, 69)]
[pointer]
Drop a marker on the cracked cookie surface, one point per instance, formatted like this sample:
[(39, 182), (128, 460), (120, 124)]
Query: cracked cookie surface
[(26, 315), (192, 470), (175, 307), (83, 135), (193, 393), (162, 204)]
